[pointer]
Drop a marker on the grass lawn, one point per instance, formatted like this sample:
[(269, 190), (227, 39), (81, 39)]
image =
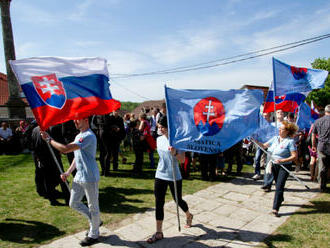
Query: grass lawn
[(309, 227)]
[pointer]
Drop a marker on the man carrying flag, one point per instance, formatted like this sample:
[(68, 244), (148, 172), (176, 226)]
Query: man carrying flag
[(87, 177), (63, 89)]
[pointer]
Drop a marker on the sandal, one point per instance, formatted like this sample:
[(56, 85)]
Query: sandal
[(157, 236), (189, 221)]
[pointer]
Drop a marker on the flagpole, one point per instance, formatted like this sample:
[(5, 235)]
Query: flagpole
[(272, 159), (57, 163), (175, 194), (172, 162)]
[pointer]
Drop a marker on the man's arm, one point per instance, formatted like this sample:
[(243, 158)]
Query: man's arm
[(58, 146), (66, 174)]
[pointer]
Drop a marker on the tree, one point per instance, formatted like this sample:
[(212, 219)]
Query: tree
[(322, 96), (15, 104)]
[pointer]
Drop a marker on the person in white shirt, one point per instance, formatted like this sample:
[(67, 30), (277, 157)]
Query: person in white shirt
[(6, 135)]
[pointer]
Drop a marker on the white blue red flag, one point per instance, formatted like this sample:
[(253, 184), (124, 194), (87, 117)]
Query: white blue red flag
[(291, 79), (211, 121), (62, 89), (288, 103), (315, 112), (305, 118)]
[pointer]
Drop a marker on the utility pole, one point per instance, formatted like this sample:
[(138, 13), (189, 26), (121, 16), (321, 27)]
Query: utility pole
[(16, 107)]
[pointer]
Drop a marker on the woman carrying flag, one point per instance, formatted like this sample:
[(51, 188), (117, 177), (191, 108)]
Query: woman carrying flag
[(284, 151), (164, 178)]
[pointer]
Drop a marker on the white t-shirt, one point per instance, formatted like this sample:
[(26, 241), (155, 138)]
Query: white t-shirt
[(164, 168)]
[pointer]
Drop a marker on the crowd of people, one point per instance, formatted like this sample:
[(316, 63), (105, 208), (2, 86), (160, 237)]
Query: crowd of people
[(113, 135)]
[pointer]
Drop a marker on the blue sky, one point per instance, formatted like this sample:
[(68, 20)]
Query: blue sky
[(137, 36)]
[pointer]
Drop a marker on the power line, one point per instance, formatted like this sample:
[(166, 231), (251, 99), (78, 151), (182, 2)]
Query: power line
[(127, 89), (232, 59)]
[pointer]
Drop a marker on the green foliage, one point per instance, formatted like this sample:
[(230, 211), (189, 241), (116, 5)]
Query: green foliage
[(322, 96), (129, 106)]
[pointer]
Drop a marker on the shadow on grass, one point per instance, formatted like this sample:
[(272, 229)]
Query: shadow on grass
[(276, 238), (114, 200), (9, 161), (27, 232), (317, 207)]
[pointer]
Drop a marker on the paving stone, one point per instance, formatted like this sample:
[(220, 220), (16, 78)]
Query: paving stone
[(225, 222), (238, 197)]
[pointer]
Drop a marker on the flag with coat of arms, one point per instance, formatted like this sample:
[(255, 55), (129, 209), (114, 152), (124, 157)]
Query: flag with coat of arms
[(211, 121), (62, 89)]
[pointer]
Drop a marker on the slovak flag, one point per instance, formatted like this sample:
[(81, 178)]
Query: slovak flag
[(62, 89), (315, 112), (305, 118), (291, 79), (288, 103), (211, 121)]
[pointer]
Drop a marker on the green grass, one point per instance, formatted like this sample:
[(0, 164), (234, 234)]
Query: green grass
[(308, 227), (28, 220)]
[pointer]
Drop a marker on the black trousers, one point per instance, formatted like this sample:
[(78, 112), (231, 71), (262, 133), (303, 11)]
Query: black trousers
[(160, 192)]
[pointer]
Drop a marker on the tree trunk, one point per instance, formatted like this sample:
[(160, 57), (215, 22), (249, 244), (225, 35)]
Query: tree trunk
[(16, 106)]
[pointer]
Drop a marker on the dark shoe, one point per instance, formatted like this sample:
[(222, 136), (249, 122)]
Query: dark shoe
[(157, 236), (265, 187), (267, 190), (88, 241), (101, 223), (275, 213)]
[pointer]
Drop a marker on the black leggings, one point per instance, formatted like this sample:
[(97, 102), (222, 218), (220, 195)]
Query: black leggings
[(160, 192)]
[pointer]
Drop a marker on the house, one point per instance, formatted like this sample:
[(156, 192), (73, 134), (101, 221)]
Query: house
[(4, 96)]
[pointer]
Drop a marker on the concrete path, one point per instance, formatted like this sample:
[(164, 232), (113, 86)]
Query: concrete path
[(231, 214)]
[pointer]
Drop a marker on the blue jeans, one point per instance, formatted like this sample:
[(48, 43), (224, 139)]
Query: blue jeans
[(257, 159), (151, 158), (268, 179), (280, 176), (92, 212)]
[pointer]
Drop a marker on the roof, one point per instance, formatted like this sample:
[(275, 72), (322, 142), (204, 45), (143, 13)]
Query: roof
[(147, 105), (4, 92)]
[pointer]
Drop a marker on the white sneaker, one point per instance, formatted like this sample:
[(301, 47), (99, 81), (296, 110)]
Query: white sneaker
[(256, 177)]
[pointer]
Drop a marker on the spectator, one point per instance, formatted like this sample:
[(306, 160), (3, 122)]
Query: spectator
[(6, 135), (322, 129), (149, 141), (138, 145), (258, 155), (234, 152)]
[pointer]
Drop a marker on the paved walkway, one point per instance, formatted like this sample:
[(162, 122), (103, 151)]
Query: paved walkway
[(231, 214)]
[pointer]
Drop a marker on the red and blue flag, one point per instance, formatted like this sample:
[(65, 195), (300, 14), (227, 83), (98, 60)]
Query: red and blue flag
[(211, 121), (288, 103), (63, 89), (291, 79)]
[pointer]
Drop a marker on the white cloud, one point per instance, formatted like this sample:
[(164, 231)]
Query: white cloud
[(184, 45), (126, 62)]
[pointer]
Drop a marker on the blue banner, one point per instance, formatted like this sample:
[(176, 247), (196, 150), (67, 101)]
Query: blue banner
[(211, 121), (291, 79)]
